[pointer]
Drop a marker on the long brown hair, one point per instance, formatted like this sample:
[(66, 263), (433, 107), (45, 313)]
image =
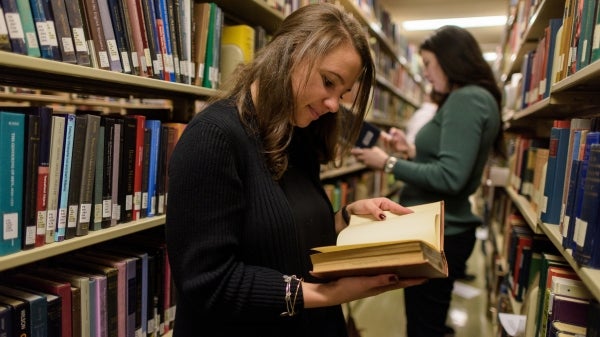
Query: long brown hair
[(461, 59), (307, 34)]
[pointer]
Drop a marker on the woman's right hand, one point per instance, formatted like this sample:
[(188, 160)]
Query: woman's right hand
[(348, 289)]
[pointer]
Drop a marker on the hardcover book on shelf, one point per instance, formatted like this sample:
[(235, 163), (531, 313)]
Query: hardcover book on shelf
[(79, 33), (154, 56), (116, 169), (174, 36), (127, 172), (112, 48), (63, 31), (20, 315), (409, 245), (107, 170), (12, 135), (87, 174), (6, 320), (14, 26), (164, 39), (75, 175), (122, 36), (555, 174), (61, 289), (155, 129), (63, 205), (38, 309), (237, 47), (55, 172), (31, 40), (562, 272), (139, 49), (202, 21), (138, 165), (96, 39), (46, 31), (98, 197), (185, 11), (585, 43), (213, 48), (4, 37), (145, 172)]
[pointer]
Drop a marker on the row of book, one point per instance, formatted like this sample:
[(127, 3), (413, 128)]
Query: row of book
[(560, 178), (176, 41), (63, 175), (122, 288), (554, 300), (565, 47)]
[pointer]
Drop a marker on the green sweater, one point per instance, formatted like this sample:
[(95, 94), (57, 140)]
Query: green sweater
[(452, 150)]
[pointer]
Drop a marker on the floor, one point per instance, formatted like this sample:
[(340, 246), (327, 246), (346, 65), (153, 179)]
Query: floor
[(383, 315)]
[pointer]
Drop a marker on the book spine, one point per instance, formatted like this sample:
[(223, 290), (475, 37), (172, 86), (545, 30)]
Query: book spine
[(185, 24), (164, 39), (555, 173), (4, 38), (31, 40), (139, 156), (154, 50), (112, 48), (139, 57), (96, 222), (43, 170), (12, 133), (21, 316), (78, 33), (126, 175), (46, 32), (116, 169), (121, 35), (14, 26), (75, 175), (63, 31), (94, 21), (55, 163), (6, 328), (139, 11), (32, 155), (166, 132), (109, 129), (175, 36), (87, 175), (155, 130), (63, 207), (145, 172)]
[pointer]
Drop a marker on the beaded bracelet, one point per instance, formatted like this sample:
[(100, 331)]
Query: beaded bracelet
[(290, 303)]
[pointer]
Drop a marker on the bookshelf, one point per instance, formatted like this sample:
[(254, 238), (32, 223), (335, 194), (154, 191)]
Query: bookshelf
[(574, 96)]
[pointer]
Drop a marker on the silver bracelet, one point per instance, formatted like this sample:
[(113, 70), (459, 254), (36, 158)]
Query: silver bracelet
[(290, 303)]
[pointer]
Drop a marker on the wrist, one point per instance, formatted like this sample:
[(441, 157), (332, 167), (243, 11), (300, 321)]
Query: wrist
[(388, 166)]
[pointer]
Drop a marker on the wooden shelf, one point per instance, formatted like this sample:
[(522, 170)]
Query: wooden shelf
[(254, 12), (57, 248), (334, 173)]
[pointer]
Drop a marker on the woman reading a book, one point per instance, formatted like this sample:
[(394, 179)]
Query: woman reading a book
[(451, 151), (246, 203)]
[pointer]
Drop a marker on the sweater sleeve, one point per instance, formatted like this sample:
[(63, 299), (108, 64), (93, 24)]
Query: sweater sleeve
[(448, 166), (205, 214)]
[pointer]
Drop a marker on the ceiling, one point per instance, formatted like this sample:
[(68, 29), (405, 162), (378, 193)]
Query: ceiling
[(488, 38)]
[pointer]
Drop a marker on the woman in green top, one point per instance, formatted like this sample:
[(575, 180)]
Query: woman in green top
[(447, 161)]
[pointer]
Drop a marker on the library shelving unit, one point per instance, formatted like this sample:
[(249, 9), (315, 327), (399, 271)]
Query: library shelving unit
[(572, 97)]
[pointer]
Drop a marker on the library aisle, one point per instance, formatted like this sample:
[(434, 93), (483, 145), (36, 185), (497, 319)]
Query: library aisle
[(383, 315)]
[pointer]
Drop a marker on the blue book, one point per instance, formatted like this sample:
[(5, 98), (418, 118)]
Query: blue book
[(15, 27), (12, 135), (162, 17), (47, 39), (587, 229), (153, 43), (554, 25), (555, 173), (572, 182), (121, 36), (63, 203), (569, 230), (38, 308), (155, 129)]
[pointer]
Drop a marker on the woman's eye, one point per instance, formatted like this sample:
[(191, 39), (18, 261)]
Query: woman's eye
[(327, 82)]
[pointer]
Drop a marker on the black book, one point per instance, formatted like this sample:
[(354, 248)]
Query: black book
[(127, 172), (38, 309), (20, 315), (63, 31), (6, 320), (75, 175), (88, 168), (107, 170)]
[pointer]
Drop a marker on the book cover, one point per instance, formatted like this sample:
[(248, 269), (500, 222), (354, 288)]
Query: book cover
[(96, 34), (174, 35), (63, 31), (12, 135), (63, 206), (127, 172), (79, 33), (395, 245), (145, 172), (55, 172), (53, 324), (6, 320), (30, 177), (38, 309), (155, 130), (31, 39), (202, 20), (75, 175), (97, 200), (21, 315), (61, 289), (555, 175), (87, 174), (107, 170), (45, 30), (138, 165), (122, 36), (16, 34), (237, 47), (584, 44), (155, 57), (112, 48), (116, 169), (185, 9), (164, 39), (139, 57)]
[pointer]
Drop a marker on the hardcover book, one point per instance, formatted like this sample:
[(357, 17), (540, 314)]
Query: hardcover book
[(46, 31), (20, 315), (555, 175), (63, 31), (87, 174), (79, 33), (31, 40), (112, 47), (75, 175), (63, 205), (38, 309), (409, 245), (155, 130), (12, 135), (55, 163), (14, 26)]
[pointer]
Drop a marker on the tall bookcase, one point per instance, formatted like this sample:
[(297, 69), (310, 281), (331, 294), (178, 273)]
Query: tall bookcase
[(572, 97), (398, 81)]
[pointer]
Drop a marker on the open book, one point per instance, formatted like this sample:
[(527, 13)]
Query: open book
[(409, 245)]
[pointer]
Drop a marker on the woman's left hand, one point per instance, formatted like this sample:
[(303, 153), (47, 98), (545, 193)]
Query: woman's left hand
[(374, 207)]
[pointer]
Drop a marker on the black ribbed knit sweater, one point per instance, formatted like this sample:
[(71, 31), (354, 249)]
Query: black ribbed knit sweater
[(232, 232)]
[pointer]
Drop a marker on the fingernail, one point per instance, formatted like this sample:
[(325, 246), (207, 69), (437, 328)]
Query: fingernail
[(382, 216)]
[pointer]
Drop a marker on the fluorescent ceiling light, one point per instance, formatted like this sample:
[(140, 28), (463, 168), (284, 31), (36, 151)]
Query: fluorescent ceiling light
[(480, 21), (490, 56)]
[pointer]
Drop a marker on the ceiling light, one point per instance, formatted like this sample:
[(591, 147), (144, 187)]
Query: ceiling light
[(480, 21)]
